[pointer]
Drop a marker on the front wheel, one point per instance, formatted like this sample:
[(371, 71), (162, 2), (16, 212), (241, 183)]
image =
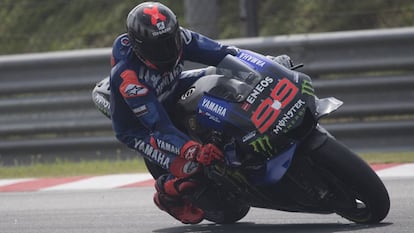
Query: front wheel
[(366, 198), (227, 214)]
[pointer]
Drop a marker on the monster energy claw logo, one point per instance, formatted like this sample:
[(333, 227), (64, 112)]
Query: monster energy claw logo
[(262, 145), (307, 88)]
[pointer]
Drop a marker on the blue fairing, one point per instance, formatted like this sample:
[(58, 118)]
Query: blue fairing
[(222, 107), (212, 111), (257, 61), (275, 168)]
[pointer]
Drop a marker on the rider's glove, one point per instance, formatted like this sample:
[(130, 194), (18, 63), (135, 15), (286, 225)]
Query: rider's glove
[(283, 60), (193, 154), (194, 151)]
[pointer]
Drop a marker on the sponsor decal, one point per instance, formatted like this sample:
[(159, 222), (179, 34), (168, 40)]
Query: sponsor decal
[(209, 116), (190, 167), (290, 117), (140, 111), (125, 41), (258, 89), (152, 153), (191, 153), (248, 136), (214, 107), (130, 86), (159, 81), (161, 31), (101, 101), (165, 146), (262, 145), (307, 88), (269, 110), (161, 26), (253, 60), (188, 93), (133, 90)]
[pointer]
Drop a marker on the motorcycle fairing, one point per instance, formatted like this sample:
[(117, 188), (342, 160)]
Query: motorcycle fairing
[(262, 105), (212, 111), (286, 95), (222, 115), (263, 64), (274, 169)]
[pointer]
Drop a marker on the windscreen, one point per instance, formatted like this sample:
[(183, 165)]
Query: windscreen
[(238, 79)]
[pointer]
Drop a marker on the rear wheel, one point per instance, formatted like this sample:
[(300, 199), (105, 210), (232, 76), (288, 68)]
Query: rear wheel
[(359, 194)]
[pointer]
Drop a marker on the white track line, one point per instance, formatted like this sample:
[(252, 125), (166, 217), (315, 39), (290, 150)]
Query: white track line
[(404, 170), (101, 182), (5, 182), (116, 181)]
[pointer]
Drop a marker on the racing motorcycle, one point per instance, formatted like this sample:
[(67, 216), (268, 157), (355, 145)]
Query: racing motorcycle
[(264, 117)]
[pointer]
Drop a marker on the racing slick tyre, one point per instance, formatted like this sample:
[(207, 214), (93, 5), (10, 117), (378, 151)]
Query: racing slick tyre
[(227, 215), (366, 193)]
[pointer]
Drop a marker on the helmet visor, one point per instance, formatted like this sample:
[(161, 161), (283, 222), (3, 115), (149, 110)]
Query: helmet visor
[(163, 52)]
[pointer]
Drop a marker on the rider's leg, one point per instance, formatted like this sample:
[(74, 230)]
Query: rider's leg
[(170, 190), (170, 198)]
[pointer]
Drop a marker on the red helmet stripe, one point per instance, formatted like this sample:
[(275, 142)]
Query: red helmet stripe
[(155, 15)]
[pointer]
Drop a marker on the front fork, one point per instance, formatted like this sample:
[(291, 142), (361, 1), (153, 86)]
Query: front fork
[(313, 179)]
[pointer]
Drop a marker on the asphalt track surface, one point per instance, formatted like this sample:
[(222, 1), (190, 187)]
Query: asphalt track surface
[(132, 210)]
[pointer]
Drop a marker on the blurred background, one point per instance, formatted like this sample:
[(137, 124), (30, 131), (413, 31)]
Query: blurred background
[(53, 52), (47, 25)]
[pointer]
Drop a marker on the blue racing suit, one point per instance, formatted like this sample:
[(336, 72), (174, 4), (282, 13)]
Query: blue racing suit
[(140, 96)]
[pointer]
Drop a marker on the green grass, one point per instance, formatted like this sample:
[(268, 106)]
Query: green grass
[(105, 167), (397, 157), (66, 168)]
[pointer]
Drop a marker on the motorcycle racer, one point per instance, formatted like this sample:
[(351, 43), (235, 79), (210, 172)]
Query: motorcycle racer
[(146, 78)]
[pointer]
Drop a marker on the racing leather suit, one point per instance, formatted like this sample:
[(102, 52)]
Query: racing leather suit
[(141, 96)]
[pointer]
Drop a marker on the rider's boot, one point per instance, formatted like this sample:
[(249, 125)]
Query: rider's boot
[(169, 197)]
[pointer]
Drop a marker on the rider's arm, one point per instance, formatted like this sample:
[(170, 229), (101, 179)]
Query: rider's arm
[(201, 49), (120, 49), (160, 142), (150, 114)]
